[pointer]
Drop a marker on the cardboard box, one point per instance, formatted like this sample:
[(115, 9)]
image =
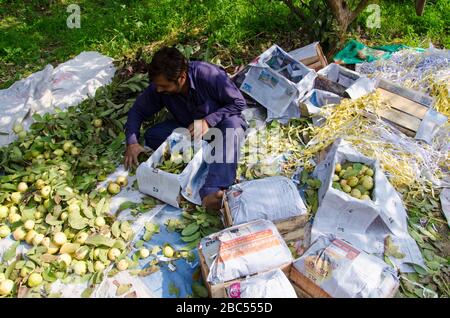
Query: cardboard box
[(311, 55), (304, 287), (245, 250), (344, 82), (333, 268), (409, 107), (168, 187), (275, 80), (220, 290), (291, 229)]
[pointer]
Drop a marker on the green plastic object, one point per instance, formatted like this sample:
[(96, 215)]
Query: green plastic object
[(355, 52)]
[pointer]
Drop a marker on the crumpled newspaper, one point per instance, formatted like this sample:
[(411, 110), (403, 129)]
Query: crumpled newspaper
[(412, 68)]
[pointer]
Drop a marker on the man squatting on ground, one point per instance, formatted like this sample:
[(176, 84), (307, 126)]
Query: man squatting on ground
[(191, 91)]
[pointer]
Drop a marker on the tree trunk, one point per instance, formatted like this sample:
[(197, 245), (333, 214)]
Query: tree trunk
[(343, 14), (420, 6)]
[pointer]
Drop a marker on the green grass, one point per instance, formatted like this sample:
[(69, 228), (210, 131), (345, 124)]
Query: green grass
[(399, 23), (34, 33)]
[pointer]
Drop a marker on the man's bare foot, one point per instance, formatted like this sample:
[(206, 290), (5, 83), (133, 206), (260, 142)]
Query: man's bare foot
[(213, 201)]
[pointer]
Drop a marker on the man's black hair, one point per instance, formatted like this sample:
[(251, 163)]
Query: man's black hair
[(169, 62)]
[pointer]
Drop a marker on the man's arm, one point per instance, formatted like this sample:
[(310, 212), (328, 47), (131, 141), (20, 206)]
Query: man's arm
[(225, 91), (145, 106)]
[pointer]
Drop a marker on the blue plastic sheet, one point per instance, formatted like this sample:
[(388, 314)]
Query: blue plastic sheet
[(159, 282)]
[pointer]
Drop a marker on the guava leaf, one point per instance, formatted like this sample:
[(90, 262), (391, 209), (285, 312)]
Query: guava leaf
[(199, 290), (10, 253), (100, 240), (126, 205), (76, 221), (122, 289), (87, 292), (174, 290), (115, 229), (190, 229)]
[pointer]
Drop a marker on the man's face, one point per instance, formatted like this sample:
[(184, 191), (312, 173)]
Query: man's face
[(164, 86)]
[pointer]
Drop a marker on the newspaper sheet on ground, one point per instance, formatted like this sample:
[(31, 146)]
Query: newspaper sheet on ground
[(275, 80), (343, 271), (273, 198), (273, 284), (244, 250), (363, 223)]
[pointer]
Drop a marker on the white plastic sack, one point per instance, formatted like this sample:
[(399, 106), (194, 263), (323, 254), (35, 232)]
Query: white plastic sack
[(357, 85), (273, 284), (167, 186), (243, 250), (363, 223), (273, 198), (66, 85), (344, 271), (275, 80)]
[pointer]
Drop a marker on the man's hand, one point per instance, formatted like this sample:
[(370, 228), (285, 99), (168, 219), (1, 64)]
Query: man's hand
[(131, 155), (201, 128)]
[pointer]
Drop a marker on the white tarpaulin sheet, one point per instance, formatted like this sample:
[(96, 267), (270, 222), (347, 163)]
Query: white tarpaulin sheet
[(66, 85)]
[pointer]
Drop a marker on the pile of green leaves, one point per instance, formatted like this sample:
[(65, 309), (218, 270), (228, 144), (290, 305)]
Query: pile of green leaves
[(431, 232), (195, 224), (175, 162), (259, 152), (69, 152), (100, 145), (312, 186), (146, 205)]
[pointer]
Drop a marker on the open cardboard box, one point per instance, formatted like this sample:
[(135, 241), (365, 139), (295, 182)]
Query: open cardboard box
[(168, 187), (408, 107), (220, 290), (310, 55), (291, 229)]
